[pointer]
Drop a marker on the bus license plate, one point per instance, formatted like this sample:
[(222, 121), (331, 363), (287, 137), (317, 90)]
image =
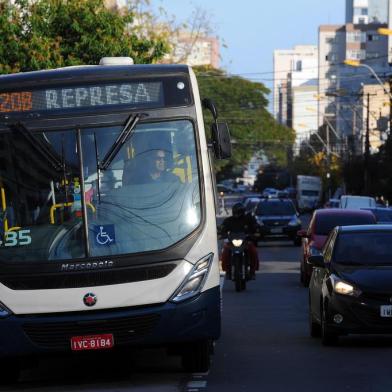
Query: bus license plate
[(95, 342), (386, 311)]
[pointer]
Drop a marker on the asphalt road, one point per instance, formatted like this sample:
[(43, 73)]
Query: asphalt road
[(265, 346)]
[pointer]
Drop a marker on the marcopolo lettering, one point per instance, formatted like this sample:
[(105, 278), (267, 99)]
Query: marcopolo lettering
[(87, 266)]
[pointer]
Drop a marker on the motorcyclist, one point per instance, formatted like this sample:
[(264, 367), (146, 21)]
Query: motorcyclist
[(239, 222)]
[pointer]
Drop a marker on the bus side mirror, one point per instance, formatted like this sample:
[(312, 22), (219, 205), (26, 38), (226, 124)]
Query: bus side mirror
[(221, 140), (209, 104)]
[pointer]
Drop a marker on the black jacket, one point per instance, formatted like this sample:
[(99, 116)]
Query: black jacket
[(246, 224)]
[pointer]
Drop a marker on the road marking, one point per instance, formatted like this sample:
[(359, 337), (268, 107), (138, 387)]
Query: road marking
[(280, 267), (198, 383)]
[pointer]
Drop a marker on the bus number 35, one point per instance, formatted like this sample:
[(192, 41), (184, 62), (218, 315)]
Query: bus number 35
[(15, 238)]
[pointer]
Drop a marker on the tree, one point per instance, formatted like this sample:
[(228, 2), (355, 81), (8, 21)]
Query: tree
[(243, 105), (54, 33)]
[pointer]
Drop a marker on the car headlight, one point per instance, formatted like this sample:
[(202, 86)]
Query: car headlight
[(194, 282), (295, 222), (344, 288)]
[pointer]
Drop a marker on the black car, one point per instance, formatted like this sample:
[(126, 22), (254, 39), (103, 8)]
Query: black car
[(383, 215), (278, 218), (351, 285)]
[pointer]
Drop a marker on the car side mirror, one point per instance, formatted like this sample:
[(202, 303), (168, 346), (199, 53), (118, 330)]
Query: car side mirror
[(302, 234), (316, 261), (221, 140)]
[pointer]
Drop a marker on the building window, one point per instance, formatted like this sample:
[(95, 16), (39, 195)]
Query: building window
[(372, 55), (356, 36), (356, 54), (298, 66), (361, 21)]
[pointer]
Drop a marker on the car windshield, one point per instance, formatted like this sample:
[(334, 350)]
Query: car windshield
[(325, 223), (368, 248), (275, 208), (147, 199)]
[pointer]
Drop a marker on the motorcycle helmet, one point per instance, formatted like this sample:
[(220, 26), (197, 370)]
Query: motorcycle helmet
[(238, 210)]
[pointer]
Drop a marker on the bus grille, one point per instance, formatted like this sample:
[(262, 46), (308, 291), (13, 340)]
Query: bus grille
[(58, 335), (72, 280)]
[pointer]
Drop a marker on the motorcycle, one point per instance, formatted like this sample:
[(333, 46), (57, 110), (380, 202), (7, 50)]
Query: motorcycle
[(239, 260)]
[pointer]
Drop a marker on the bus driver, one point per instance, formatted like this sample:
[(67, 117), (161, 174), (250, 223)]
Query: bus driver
[(149, 170)]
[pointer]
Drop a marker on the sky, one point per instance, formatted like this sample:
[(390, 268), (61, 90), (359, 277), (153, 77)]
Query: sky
[(253, 29)]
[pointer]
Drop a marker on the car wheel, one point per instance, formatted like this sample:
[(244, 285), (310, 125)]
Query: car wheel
[(196, 357), (328, 337)]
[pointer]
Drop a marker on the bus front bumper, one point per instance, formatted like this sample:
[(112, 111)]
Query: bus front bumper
[(146, 326)]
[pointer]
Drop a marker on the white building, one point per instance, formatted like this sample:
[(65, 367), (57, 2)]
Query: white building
[(339, 84), (367, 11), (295, 85), (193, 49)]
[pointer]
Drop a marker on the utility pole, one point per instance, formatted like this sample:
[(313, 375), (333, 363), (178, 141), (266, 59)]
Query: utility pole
[(367, 148), (328, 161), (390, 108)]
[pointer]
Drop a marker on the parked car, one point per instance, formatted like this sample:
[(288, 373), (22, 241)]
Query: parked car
[(349, 201), (351, 285), (278, 217), (383, 215), (321, 224)]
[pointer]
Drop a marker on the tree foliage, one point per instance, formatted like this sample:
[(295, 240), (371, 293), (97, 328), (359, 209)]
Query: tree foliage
[(54, 33), (243, 105)]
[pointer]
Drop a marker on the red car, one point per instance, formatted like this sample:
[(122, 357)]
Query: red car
[(321, 224)]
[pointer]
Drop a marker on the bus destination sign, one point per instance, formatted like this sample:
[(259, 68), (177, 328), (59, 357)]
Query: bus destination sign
[(138, 94)]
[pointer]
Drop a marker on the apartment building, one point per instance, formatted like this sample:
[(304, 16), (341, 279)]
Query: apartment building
[(339, 84), (194, 49), (367, 11), (295, 83)]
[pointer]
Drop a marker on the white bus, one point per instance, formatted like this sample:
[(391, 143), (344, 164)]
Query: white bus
[(108, 231)]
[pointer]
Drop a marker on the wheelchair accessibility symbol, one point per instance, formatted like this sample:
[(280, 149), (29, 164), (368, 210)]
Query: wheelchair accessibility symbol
[(105, 235)]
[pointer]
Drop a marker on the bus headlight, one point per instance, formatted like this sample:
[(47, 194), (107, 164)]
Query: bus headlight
[(195, 280)]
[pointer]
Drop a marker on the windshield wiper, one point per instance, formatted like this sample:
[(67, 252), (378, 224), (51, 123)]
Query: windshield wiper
[(122, 138), (43, 148)]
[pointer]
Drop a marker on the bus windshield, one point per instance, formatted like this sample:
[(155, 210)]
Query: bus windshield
[(147, 199)]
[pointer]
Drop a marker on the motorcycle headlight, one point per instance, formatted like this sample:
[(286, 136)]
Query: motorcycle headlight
[(344, 288), (237, 243), (194, 282)]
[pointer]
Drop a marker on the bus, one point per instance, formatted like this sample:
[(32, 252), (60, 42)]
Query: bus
[(107, 231)]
